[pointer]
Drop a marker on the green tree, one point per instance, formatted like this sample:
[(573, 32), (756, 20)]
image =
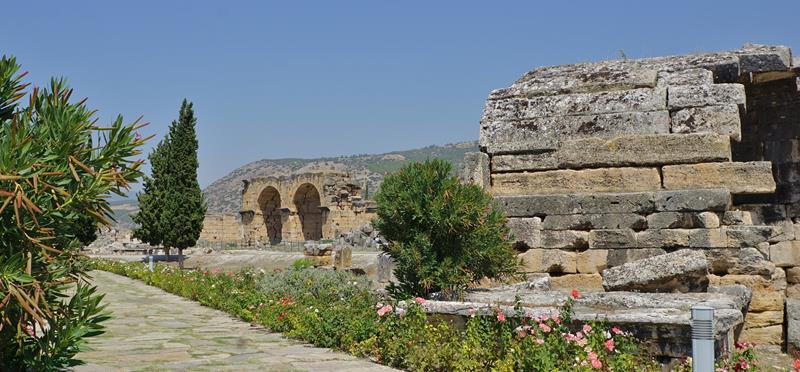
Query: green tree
[(151, 201), (442, 234), (56, 167)]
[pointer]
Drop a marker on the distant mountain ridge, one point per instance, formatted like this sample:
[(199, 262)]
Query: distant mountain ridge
[(224, 195)]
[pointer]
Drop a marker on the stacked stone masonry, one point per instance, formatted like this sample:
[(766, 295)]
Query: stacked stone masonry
[(601, 164)]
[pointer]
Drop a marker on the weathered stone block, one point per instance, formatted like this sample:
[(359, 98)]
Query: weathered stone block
[(683, 96), (706, 220), (557, 204), (618, 257), (616, 238), (534, 135), (682, 238), (682, 271), (749, 177), (716, 200), (763, 319), (767, 301), (548, 261), (793, 275), (577, 181), (526, 231), (759, 58), (744, 261), (591, 78), (748, 236), (737, 218), (569, 239), (581, 282), (475, 169), (693, 76), (669, 220), (793, 291), (592, 261), (723, 120), (594, 221), (785, 254), (793, 325), (343, 257), (603, 102), (631, 150), (771, 335)]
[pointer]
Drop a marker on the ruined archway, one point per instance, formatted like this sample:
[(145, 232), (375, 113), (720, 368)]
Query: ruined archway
[(269, 202), (307, 202)]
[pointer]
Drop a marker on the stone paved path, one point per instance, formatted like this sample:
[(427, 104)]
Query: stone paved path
[(152, 330)]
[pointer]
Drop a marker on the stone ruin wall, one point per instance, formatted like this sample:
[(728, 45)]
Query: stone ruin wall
[(221, 228), (601, 164), (308, 206)]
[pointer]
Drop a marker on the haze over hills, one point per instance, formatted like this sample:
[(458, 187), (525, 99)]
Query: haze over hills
[(224, 194)]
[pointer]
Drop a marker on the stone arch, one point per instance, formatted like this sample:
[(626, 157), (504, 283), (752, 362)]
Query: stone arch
[(307, 203), (269, 203)]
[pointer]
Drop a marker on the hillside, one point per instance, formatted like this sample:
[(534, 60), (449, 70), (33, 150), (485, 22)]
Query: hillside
[(224, 195)]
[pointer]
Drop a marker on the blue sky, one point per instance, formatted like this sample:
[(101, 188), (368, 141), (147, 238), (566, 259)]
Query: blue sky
[(309, 79)]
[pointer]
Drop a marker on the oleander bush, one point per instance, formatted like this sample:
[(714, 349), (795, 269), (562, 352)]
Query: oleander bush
[(340, 310)]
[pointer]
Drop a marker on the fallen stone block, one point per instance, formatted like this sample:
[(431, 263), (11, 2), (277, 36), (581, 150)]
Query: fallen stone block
[(594, 221), (681, 271), (749, 177), (609, 239), (684, 96), (548, 261), (537, 134), (724, 120), (577, 181), (698, 200)]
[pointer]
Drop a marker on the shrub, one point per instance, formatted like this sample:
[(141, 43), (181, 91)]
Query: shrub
[(56, 169), (302, 263), (442, 234)]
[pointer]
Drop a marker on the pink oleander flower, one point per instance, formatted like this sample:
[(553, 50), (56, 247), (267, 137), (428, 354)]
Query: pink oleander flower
[(215, 270), (471, 313), (581, 342), (539, 341), (385, 309), (501, 317), (597, 364), (616, 331), (556, 318), (587, 328), (610, 344), (545, 328), (420, 300)]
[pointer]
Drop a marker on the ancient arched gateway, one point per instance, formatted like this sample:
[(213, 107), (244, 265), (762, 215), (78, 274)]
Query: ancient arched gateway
[(301, 207)]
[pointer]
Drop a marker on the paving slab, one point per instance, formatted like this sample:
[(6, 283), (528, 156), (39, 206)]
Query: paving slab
[(152, 330)]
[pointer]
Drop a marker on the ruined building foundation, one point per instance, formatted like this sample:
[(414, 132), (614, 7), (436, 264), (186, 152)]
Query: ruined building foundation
[(602, 164)]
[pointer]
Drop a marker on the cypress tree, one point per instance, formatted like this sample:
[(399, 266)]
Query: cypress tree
[(183, 205), (151, 203)]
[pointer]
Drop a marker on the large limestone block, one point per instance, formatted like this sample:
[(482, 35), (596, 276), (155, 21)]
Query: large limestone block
[(785, 254), (793, 275), (769, 284), (577, 181), (629, 150), (538, 134), (705, 95), (612, 238), (793, 325), (692, 76), (682, 220), (697, 200), (594, 221), (548, 261), (760, 58), (618, 257), (682, 271), (604, 102), (569, 204), (767, 301), (747, 261), (475, 169), (744, 177), (750, 235), (723, 120), (565, 239), (592, 261), (682, 238), (581, 282), (580, 78), (763, 319), (526, 231), (737, 218), (771, 335)]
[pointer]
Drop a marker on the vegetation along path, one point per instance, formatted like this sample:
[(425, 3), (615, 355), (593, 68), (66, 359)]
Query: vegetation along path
[(155, 330)]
